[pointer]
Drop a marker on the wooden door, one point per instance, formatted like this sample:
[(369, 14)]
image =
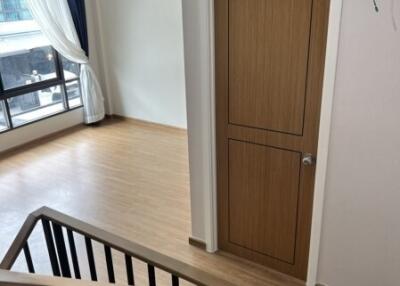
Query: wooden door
[(269, 72)]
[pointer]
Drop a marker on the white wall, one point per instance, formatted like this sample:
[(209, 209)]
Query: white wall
[(143, 59), (361, 227)]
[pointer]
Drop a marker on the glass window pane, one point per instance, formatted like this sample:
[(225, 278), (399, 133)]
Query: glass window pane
[(71, 69), (28, 66), (14, 10), (3, 121), (36, 105), (74, 94)]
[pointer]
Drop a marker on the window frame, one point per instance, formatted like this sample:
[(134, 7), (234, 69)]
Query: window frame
[(60, 80)]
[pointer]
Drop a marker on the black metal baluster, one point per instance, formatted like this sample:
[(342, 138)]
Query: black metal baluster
[(175, 280), (50, 247), (152, 275), (74, 255), (92, 265), (28, 258), (110, 266), (129, 270), (61, 250)]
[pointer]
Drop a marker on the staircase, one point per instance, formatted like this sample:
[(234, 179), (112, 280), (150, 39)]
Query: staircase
[(66, 267)]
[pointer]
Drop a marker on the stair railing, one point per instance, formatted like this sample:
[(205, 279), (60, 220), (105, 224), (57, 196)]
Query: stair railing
[(54, 222)]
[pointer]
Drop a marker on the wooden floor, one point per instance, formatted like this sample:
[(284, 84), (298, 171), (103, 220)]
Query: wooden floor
[(127, 177)]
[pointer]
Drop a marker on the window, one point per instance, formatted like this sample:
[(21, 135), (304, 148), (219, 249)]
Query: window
[(27, 67), (35, 81), (3, 122), (14, 10)]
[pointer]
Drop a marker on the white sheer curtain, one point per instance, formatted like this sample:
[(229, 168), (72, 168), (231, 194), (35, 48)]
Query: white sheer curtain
[(55, 20)]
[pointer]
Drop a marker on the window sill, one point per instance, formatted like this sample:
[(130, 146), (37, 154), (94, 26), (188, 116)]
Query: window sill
[(40, 119)]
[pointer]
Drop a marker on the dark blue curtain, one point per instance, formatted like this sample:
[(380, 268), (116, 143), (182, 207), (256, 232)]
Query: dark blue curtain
[(78, 12)]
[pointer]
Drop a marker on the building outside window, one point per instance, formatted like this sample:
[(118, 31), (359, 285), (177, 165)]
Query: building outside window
[(35, 81), (14, 10)]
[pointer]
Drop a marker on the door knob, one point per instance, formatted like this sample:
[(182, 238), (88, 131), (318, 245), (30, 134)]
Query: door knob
[(308, 159)]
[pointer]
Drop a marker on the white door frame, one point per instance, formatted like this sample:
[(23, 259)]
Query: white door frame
[(202, 128), (332, 48)]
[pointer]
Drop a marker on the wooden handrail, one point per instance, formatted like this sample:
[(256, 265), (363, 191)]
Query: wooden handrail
[(133, 249), (18, 243)]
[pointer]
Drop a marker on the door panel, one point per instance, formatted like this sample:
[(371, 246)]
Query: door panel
[(267, 76), (267, 179)]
